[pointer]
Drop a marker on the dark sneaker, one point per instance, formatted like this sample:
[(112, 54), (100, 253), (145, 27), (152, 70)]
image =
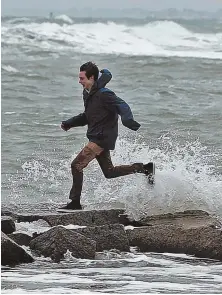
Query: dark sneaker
[(138, 168), (149, 168), (73, 205)]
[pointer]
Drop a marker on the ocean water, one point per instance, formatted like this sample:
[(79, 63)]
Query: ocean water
[(170, 74)]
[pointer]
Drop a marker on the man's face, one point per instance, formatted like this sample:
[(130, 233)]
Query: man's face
[(84, 81)]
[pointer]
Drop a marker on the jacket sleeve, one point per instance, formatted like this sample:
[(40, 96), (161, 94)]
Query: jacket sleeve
[(122, 108), (79, 120)]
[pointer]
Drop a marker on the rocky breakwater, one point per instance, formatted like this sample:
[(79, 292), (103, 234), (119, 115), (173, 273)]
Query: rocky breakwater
[(190, 232)]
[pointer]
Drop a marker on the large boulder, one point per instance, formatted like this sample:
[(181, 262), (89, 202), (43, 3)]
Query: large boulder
[(7, 224), (55, 242), (6, 212), (85, 217), (192, 232), (79, 217), (186, 219), (107, 237), (199, 241), (12, 253)]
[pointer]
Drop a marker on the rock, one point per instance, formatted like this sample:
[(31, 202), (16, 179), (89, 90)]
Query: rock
[(84, 217), (77, 218), (35, 235), (33, 217), (125, 220), (5, 212), (55, 242), (200, 241), (107, 237), (192, 232), (21, 238), (186, 219), (12, 253), (7, 224)]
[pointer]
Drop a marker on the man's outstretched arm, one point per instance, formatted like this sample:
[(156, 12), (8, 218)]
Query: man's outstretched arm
[(79, 120)]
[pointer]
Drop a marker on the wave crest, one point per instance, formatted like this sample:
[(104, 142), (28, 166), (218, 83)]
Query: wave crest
[(158, 38)]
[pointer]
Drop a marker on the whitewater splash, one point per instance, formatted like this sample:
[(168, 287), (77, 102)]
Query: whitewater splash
[(186, 178), (158, 38)]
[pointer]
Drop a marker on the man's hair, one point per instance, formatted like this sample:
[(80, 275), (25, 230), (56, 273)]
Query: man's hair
[(91, 69)]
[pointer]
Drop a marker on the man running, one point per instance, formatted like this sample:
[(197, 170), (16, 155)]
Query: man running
[(102, 108)]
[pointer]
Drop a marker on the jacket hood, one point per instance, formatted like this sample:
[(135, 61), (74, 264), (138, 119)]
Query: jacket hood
[(104, 78)]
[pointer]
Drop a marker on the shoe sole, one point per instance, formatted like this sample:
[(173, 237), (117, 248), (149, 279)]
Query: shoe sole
[(151, 179), (151, 175)]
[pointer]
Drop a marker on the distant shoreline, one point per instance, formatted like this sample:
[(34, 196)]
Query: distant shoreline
[(135, 13)]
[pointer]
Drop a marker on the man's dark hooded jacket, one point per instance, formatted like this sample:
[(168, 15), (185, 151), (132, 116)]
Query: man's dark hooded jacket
[(102, 108)]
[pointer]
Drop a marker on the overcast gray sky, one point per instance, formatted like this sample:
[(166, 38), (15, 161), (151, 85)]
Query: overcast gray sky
[(63, 5)]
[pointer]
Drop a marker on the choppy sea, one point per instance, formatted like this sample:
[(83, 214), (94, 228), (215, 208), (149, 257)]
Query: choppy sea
[(170, 73)]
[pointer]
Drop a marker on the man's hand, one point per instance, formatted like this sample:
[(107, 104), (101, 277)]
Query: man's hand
[(131, 124), (64, 126)]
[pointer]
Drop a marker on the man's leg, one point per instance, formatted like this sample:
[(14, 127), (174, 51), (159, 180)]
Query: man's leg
[(110, 171), (87, 154)]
